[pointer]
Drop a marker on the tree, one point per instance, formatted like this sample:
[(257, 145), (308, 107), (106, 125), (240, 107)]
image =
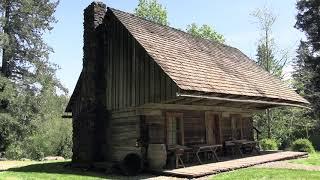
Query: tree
[(308, 64), (302, 75), (302, 70), (265, 55), (153, 11), (29, 103), (205, 32), (23, 23)]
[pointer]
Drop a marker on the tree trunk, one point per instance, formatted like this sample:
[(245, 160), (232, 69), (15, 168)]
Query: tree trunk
[(268, 122)]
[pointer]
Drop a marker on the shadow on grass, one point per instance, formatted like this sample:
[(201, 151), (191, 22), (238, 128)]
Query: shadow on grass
[(56, 168)]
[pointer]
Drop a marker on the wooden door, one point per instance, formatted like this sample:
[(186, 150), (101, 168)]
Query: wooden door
[(212, 128), (174, 129)]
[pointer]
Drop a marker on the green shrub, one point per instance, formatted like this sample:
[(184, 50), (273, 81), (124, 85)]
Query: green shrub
[(268, 144), (53, 139), (303, 145), (14, 151), (315, 139)]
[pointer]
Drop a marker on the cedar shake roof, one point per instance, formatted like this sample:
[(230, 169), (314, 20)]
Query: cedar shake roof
[(200, 65)]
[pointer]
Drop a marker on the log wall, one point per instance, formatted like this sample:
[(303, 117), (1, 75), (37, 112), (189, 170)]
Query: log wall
[(231, 126), (123, 135), (132, 76)]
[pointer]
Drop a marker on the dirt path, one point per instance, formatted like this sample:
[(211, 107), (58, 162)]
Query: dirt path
[(288, 165)]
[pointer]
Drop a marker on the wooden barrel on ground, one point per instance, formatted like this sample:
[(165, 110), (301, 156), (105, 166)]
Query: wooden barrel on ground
[(157, 156), (131, 164)]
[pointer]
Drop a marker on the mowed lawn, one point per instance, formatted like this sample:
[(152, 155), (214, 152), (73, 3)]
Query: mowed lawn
[(17, 170), (271, 173), (44, 170), (313, 159), (267, 174)]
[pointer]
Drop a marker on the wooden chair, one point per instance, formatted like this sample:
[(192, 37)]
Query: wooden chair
[(178, 153)]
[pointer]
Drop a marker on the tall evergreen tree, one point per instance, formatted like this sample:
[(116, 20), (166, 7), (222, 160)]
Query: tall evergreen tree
[(308, 64), (28, 85)]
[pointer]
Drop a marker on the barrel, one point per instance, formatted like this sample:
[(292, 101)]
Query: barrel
[(157, 156), (131, 164)]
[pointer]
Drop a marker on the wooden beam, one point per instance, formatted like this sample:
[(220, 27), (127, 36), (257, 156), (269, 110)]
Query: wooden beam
[(193, 107), (189, 101), (243, 100)]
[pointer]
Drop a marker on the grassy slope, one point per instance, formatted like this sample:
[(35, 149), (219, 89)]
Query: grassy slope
[(313, 159), (264, 173)]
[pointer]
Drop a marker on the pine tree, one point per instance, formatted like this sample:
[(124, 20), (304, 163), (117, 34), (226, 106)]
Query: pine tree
[(28, 85), (308, 64)]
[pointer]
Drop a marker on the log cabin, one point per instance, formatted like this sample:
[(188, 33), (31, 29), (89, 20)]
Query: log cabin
[(145, 84)]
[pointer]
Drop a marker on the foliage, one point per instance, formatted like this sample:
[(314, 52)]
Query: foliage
[(206, 32), (288, 124), (307, 64), (15, 151), (50, 136), (30, 105), (268, 144), (153, 11), (268, 173), (303, 145), (313, 159), (267, 60), (315, 139)]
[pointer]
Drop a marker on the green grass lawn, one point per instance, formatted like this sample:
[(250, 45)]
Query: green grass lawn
[(265, 173), (313, 159), (17, 170), (46, 170)]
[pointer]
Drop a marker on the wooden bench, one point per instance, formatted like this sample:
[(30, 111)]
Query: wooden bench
[(238, 145), (206, 148)]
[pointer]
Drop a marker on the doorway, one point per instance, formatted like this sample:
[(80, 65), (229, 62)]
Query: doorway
[(212, 121)]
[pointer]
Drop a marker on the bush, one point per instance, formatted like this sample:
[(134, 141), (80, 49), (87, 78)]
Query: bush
[(53, 138), (14, 151), (268, 144), (302, 145), (315, 139)]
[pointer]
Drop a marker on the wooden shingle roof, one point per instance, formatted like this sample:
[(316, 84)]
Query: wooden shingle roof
[(200, 65)]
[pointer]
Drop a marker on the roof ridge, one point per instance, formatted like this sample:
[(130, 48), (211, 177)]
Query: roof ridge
[(175, 29)]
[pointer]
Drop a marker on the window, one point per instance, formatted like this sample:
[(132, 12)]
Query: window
[(175, 131)]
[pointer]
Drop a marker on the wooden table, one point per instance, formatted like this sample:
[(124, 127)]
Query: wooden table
[(245, 143), (206, 148)]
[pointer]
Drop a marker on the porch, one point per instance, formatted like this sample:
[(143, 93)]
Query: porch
[(229, 165), (175, 138)]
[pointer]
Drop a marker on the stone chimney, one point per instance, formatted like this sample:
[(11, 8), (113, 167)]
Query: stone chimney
[(88, 131), (93, 17)]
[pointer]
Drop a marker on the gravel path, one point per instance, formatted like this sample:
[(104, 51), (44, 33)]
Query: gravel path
[(288, 165)]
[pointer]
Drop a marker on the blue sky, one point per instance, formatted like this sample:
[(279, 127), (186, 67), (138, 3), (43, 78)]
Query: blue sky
[(229, 17)]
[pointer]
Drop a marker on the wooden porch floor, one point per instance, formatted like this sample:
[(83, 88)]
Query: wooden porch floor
[(215, 168)]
